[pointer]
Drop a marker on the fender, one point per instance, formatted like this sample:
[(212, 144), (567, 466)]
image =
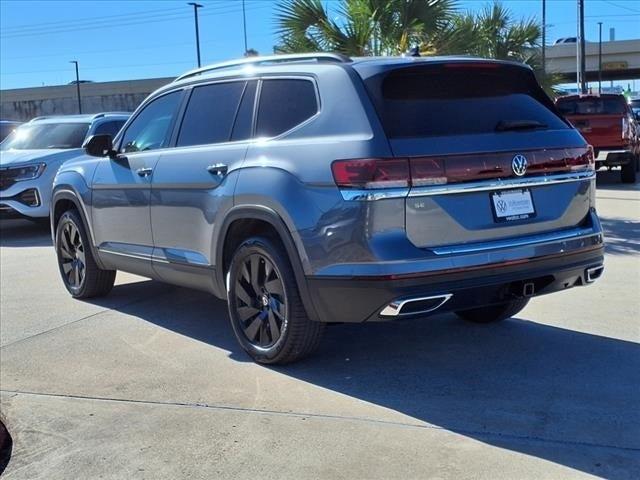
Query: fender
[(68, 193), (255, 212)]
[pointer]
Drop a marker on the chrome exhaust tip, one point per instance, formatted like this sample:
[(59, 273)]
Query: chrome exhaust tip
[(594, 273), (414, 306)]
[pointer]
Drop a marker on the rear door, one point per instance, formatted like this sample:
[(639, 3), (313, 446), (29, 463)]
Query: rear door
[(482, 141), (195, 179)]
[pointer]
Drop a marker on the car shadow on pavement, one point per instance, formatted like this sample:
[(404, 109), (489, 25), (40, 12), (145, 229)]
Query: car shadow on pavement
[(564, 396), (610, 180), (621, 236), (23, 233)]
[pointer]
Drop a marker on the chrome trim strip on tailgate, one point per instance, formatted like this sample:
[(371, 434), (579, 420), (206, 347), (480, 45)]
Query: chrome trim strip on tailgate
[(481, 186), (516, 242), (486, 185)]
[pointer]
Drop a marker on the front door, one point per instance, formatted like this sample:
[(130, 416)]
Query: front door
[(122, 188), (195, 180)]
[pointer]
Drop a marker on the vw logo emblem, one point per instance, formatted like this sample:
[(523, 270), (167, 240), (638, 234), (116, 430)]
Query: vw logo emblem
[(519, 165)]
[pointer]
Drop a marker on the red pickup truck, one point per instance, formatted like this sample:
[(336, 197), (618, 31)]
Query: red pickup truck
[(609, 125)]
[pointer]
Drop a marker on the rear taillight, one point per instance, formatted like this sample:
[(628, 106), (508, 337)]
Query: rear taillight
[(371, 173), (625, 128), (580, 159), (375, 173), (427, 171)]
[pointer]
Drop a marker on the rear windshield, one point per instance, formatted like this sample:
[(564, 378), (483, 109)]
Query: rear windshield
[(46, 135), (460, 100), (591, 106)]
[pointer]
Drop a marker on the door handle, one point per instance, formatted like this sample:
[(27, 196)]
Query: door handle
[(219, 169), (144, 172)]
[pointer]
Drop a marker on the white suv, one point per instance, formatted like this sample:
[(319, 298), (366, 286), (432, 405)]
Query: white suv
[(32, 154)]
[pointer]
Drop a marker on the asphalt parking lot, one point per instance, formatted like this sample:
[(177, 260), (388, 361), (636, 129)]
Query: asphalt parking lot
[(150, 383)]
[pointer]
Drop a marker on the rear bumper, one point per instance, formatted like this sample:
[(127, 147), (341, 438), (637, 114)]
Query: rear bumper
[(363, 299)]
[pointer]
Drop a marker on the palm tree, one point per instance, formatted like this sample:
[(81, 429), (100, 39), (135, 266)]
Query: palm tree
[(360, 27), (391, 27), (494, 33)]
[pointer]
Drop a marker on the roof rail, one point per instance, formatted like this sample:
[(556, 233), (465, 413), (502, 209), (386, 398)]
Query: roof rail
[(104, 114), (271, 59)]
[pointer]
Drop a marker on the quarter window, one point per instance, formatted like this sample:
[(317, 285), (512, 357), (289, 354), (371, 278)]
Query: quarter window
[(210, 114), (284, 103), (151, 129)]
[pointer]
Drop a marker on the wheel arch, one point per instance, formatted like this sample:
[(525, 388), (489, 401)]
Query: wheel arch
[(62, 198), (248, 213)]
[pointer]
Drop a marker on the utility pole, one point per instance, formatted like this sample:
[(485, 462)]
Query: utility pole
[(599, 57), (544, 36), (77, 85), (581, 49), (244, 27), (196, 6)]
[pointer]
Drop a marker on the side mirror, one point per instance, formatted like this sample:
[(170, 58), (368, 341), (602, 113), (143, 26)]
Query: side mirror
[(99, 146)]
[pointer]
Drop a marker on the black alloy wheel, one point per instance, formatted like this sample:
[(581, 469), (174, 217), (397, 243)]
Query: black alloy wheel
[(261, 302), (266, 312), (80, 273), (72, 256)]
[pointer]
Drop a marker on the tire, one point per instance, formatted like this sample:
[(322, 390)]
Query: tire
[(628, 174), (80, 274), (265, 309), (493, 313)]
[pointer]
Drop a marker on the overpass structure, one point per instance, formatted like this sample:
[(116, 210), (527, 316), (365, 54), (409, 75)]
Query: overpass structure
[(620, 60)]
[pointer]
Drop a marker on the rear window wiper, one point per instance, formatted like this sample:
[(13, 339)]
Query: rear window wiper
[(505, 126)]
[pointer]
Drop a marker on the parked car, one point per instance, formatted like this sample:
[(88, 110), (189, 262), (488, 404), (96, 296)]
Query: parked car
[(566, 40), (608, 124), (6, 127), (31, 155), (309, 189)]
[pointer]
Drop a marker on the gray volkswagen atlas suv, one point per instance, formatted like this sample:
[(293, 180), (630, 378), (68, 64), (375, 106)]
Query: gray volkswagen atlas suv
[(311, 189)]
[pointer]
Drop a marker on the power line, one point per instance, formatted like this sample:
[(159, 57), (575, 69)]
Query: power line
[(227, 9), (103, 19), (88, 19), (624, 7)]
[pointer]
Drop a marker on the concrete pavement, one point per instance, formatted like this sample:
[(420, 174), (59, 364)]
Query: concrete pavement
[(149, 382)]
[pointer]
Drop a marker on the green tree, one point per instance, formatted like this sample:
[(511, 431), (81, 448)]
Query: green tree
[(392, 27), (360, 27), (494, 33)]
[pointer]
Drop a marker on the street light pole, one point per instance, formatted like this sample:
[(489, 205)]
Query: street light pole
[(544, 35), (599, 57), (581, 40), (77, 85), (244, 27), (196, 6)]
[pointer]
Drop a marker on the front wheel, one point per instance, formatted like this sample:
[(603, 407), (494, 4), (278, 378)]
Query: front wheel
[(265, 309), (494, 313), (80, 274)]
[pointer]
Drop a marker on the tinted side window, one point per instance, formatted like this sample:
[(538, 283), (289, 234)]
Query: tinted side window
[(151, 128), (284, 104), (210, 114), (244, 119), (109, 128)]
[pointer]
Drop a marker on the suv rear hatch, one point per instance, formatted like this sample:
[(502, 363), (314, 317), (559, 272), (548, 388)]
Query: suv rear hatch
[(599, 119), (486, 154)]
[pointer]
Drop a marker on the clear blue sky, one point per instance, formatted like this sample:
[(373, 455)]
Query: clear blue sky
[(115, 40)]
